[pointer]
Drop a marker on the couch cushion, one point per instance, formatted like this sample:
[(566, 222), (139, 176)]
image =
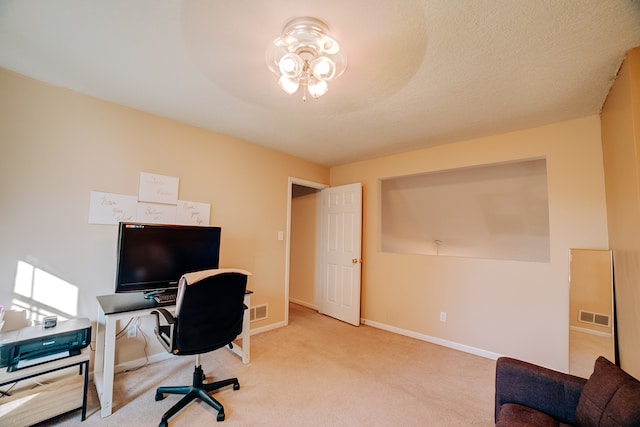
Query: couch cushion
[(515, 415), (611, 397)]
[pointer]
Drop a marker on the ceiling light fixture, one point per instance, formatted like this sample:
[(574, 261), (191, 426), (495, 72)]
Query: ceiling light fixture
[(306, 55)]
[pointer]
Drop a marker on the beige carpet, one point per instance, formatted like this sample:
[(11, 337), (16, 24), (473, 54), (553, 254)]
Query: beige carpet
[(316, 372)]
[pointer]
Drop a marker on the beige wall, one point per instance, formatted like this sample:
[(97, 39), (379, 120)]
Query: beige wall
[(520, 309), (621, 150), (58, 146)]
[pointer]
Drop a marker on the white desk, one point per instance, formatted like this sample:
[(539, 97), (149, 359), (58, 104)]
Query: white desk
[(112, 308)]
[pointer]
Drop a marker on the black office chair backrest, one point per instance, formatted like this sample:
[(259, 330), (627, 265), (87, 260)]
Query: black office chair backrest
[(210, 314)]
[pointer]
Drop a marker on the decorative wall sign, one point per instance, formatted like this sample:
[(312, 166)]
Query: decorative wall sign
[(109, 208), (193, 213), (158, 188), (157, 203), (156, 213)]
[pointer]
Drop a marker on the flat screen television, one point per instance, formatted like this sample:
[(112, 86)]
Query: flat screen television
[(151, 257)]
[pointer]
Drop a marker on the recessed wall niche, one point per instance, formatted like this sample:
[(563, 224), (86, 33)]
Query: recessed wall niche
[(496, 211)]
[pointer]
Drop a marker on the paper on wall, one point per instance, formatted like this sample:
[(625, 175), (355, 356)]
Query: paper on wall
[(109, 208), (158, 188), (155, 213), (193, 213)]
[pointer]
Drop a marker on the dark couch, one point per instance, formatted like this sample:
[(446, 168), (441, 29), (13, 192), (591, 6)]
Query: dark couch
[(530, 395)]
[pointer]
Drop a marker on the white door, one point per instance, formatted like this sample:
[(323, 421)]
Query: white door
[(341, 214)]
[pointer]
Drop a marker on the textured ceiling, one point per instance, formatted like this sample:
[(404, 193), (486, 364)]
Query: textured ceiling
[(420, 73)]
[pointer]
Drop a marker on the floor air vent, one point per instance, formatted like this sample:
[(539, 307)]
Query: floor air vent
[(594, 318), (258, 312)]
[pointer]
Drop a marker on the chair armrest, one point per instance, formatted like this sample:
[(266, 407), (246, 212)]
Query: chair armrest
[(552, 392), (165, 313), (164, 332)]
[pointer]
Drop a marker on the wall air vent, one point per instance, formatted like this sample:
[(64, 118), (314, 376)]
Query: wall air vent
[(594, 318), (258, 312)]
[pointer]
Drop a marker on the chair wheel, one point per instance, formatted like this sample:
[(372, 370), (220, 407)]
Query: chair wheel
[(162, 424), (220, 416), (236, 386), (159, 396)]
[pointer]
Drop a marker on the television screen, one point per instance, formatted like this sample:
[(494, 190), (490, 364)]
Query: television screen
[(152, 257)]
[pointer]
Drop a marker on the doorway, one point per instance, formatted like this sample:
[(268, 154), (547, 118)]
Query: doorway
[(302, 246), (329, 239)]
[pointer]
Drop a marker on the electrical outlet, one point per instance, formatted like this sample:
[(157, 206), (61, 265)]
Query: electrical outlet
[(443, 316), (131, 331)]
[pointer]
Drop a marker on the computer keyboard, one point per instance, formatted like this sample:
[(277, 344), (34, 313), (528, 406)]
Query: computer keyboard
[(165, 298)]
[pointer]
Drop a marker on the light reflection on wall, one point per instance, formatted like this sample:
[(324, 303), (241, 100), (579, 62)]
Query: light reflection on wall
[(42, 294)]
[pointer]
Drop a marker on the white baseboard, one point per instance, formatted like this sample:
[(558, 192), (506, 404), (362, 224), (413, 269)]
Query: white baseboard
[(445, 343), (303, 303), (267, 328), (591, 331)]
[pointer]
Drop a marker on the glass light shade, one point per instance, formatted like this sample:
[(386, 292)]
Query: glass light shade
[(291, 65), (330, 45), (288, 85), (306, 55), (317, 88), (323, 68)]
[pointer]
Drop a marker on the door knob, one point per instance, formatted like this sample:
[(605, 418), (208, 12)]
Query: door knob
[(355, 260)]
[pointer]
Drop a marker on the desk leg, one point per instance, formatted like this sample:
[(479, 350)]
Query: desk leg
[(243, 349), (109, 361), (98, 363), (246, 333), (85, 389), (104, 361)]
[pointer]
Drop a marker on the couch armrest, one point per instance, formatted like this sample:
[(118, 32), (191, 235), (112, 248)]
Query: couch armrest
[(552, 392)]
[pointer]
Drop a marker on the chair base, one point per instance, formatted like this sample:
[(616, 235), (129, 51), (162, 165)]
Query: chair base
[(197, 390)]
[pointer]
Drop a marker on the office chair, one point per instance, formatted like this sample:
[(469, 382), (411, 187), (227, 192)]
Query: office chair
[(209, 312)]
